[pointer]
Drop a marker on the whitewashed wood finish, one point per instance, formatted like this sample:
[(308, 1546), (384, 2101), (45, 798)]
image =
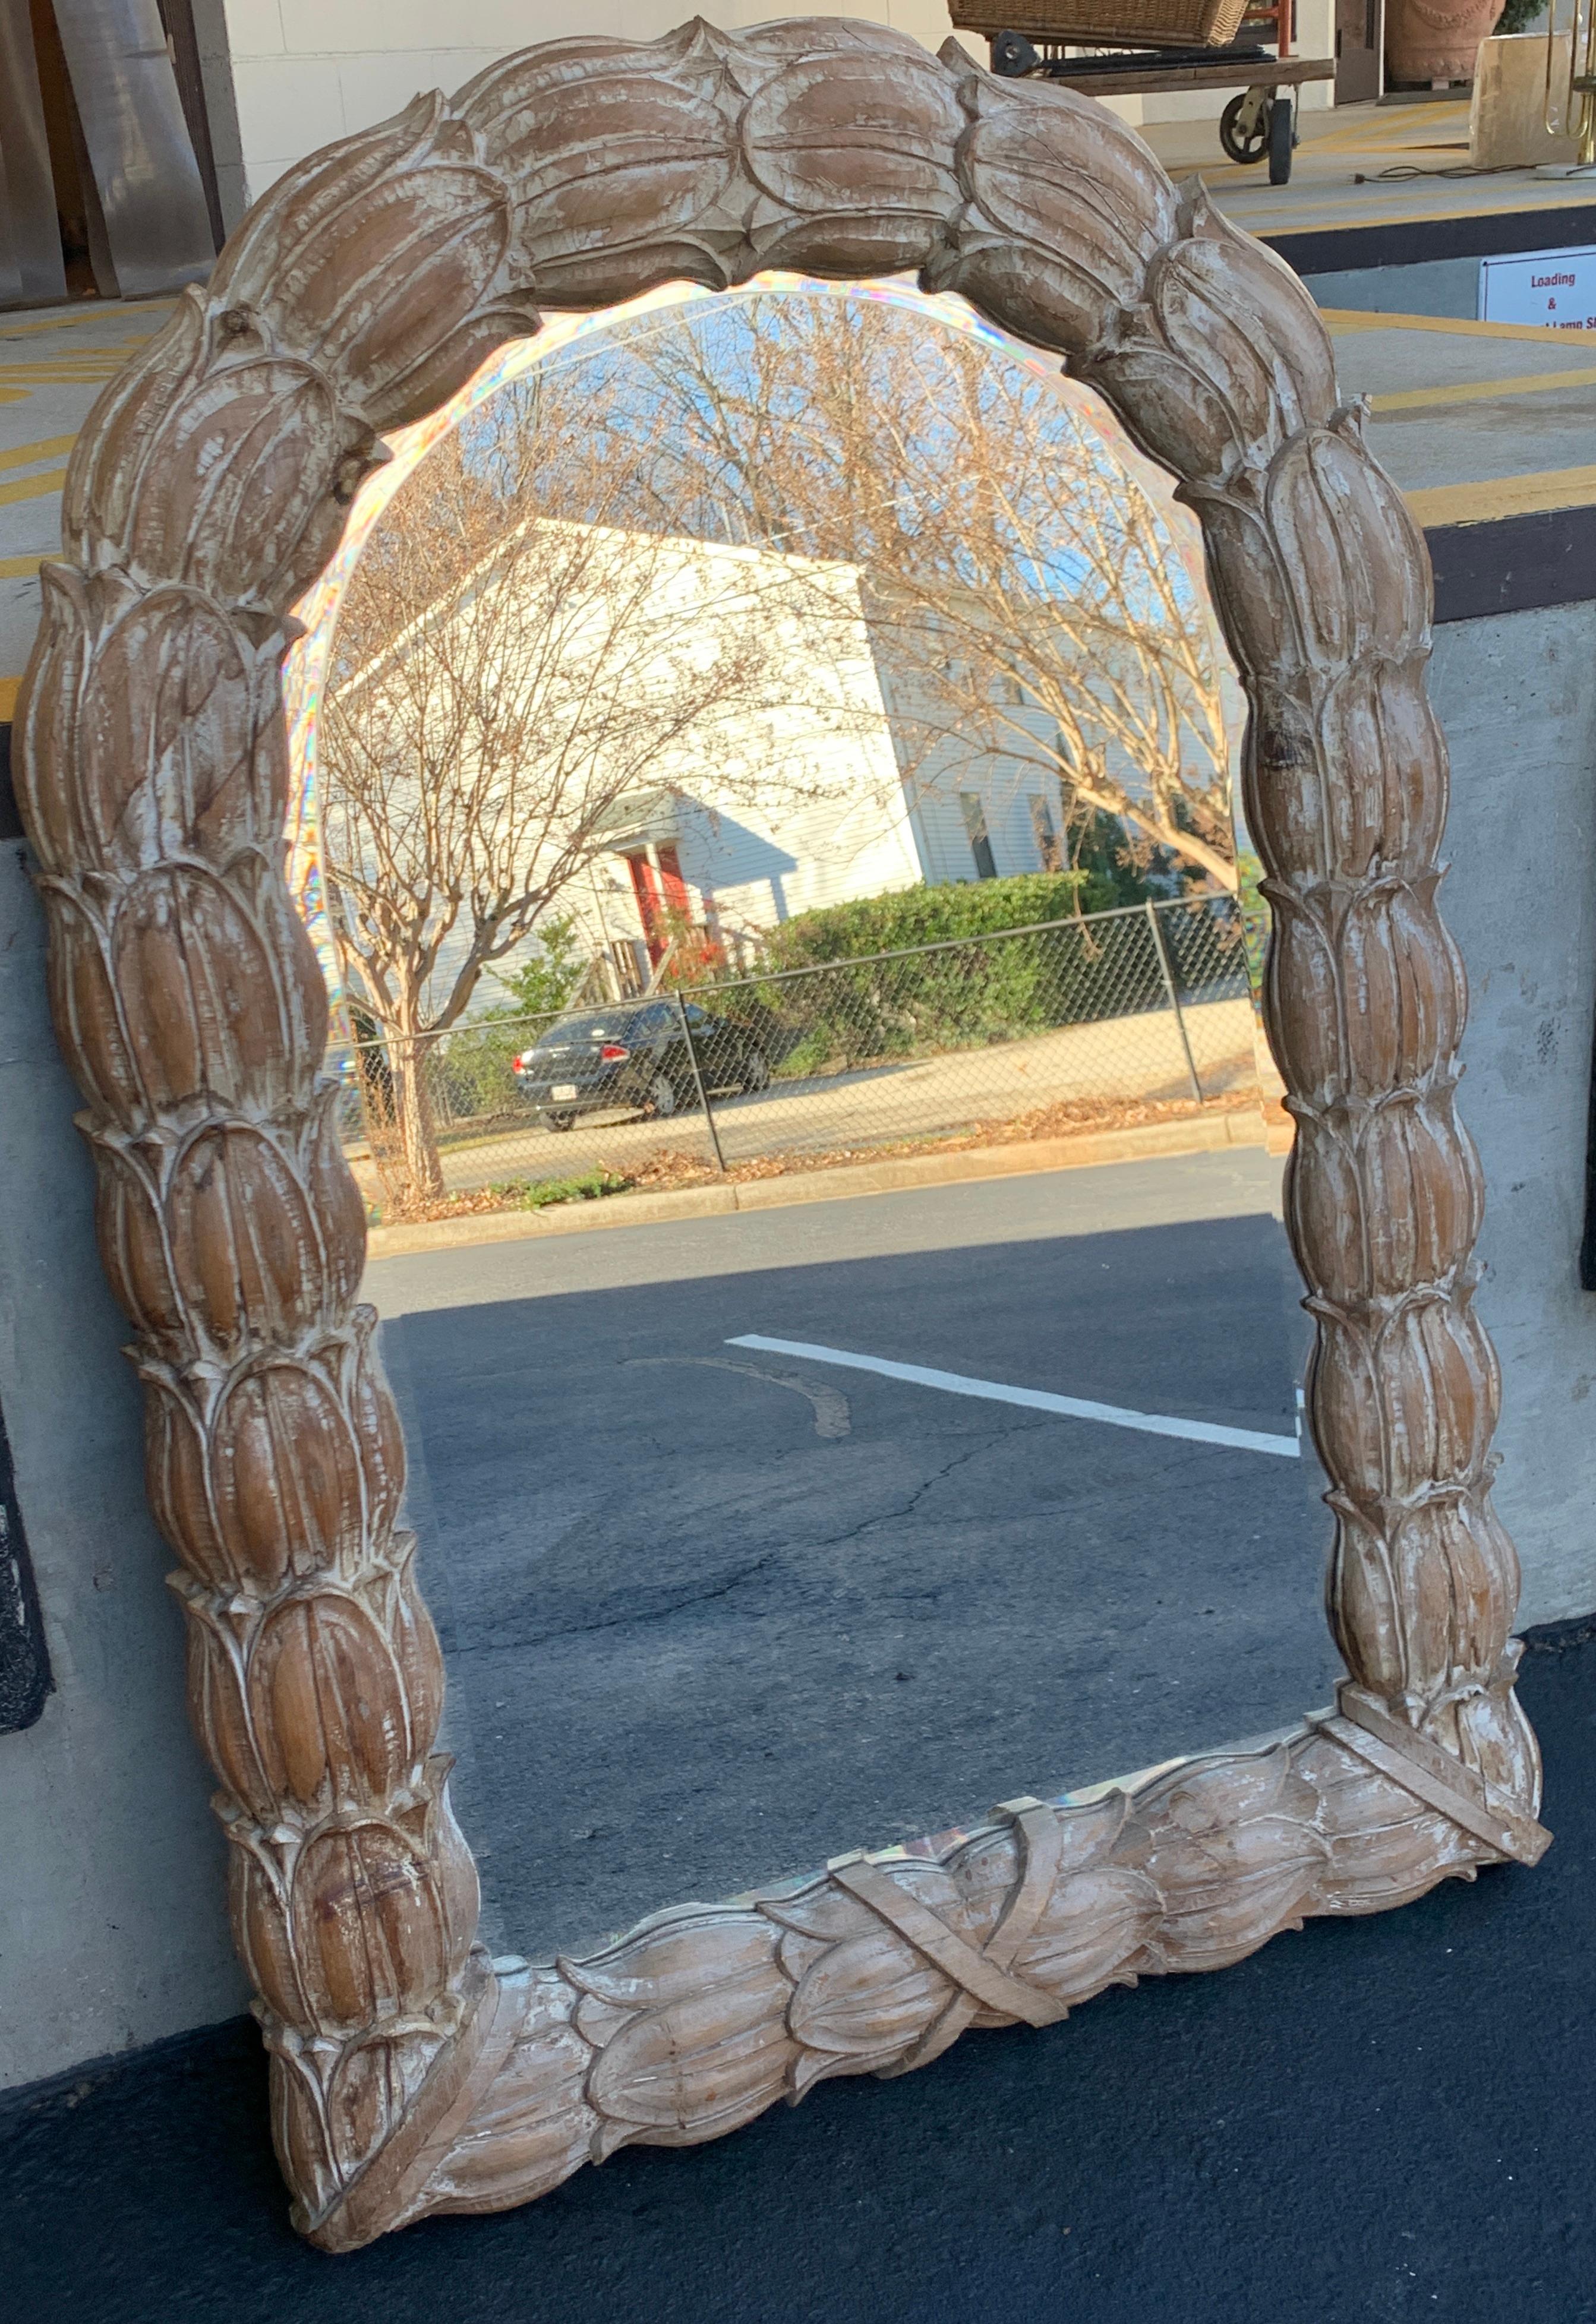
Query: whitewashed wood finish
[(207, 490)]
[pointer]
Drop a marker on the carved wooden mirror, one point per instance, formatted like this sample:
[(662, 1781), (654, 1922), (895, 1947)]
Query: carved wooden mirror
[(410, 2073)]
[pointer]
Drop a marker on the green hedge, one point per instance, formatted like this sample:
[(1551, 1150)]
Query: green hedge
[(921, 915), (857, 1010)]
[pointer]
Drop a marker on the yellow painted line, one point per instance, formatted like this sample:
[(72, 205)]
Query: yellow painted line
[(57, 374), (9, 689), (48, 448), (1550, 488), (33, 488), (1481, 390), (1383, 137), (1353, 220), (99, 312), (23, 568), (1340, 321)]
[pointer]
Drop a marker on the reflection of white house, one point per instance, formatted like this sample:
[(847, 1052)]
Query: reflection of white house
[(832, 790), (898, 812), (906, 805)]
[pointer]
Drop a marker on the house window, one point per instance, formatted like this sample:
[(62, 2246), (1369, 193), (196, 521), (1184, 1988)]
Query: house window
[(1047, 833), (974, 815)]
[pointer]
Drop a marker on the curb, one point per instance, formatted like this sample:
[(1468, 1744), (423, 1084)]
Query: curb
[(1200, 1135)]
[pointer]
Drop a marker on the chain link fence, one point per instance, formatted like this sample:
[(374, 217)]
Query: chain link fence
[(1113, 1017)]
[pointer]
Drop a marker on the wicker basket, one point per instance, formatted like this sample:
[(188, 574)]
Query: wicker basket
[(1170, 23)]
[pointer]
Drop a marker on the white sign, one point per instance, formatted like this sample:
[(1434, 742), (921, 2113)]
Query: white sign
[(1554, 288)]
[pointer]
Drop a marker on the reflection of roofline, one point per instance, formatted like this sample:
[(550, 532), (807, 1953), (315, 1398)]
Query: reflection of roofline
[(640, 818), (482, 571)]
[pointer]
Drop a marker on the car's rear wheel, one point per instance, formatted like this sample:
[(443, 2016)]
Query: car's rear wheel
[(756, 1070), (663, 1100), (560, 1120)]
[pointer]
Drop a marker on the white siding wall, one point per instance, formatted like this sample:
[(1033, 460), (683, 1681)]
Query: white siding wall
[(761, 869), (1005, 786), (307, 71)]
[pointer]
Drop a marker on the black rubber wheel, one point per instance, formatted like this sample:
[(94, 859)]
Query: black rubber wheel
[(1012, 56), (560, 1120), (663, 1097), (1281, 140), (1255, 144), (756, 1071)]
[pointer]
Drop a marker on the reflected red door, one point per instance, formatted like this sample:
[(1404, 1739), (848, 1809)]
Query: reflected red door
[(674, 885), (646, 889)]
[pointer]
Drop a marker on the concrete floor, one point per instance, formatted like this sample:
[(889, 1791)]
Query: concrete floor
[(53, 363), (1458, 406), (1355, 142), (711, 1615)]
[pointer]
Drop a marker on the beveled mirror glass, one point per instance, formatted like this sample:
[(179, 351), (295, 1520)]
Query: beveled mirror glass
[(816, 624)]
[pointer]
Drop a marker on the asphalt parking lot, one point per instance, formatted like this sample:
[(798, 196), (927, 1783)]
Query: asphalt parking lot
[(716, 1612)]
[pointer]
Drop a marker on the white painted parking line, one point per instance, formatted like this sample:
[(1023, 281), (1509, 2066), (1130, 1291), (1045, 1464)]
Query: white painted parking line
[(1036, 1400)]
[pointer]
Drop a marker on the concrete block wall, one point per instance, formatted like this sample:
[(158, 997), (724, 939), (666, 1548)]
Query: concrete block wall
[(1516, 695), (112, 1926), (306, 71)]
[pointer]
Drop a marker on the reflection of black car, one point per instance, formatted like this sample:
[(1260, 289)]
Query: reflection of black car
[(634, 1055)]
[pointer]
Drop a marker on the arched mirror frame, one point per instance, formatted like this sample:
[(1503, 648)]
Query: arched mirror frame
[(209, 489)]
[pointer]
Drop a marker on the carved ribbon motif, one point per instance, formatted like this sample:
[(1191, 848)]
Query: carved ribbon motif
[(206, 490)]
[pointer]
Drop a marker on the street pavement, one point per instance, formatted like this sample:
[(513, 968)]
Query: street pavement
[(713, 1614)]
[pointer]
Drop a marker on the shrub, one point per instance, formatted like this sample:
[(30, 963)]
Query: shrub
[(858, 1009), (472, 1070), (547, 976), (922, 916)]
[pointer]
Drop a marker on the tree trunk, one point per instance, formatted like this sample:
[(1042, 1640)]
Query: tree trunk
[(374, 1081), (417, 1133)]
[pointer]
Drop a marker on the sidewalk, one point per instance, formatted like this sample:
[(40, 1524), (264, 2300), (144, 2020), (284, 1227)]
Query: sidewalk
[(1200, 1134), (1375, 2120)]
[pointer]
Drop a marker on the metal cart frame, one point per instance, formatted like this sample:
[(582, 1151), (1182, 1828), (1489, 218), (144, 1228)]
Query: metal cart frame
[(1257, 121)]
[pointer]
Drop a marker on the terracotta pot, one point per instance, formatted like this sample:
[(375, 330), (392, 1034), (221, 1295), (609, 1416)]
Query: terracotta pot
[(1436, 39)]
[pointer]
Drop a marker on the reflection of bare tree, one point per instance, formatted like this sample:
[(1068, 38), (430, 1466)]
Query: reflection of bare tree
[(1032, 595), (500, 681), (532, 633)]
